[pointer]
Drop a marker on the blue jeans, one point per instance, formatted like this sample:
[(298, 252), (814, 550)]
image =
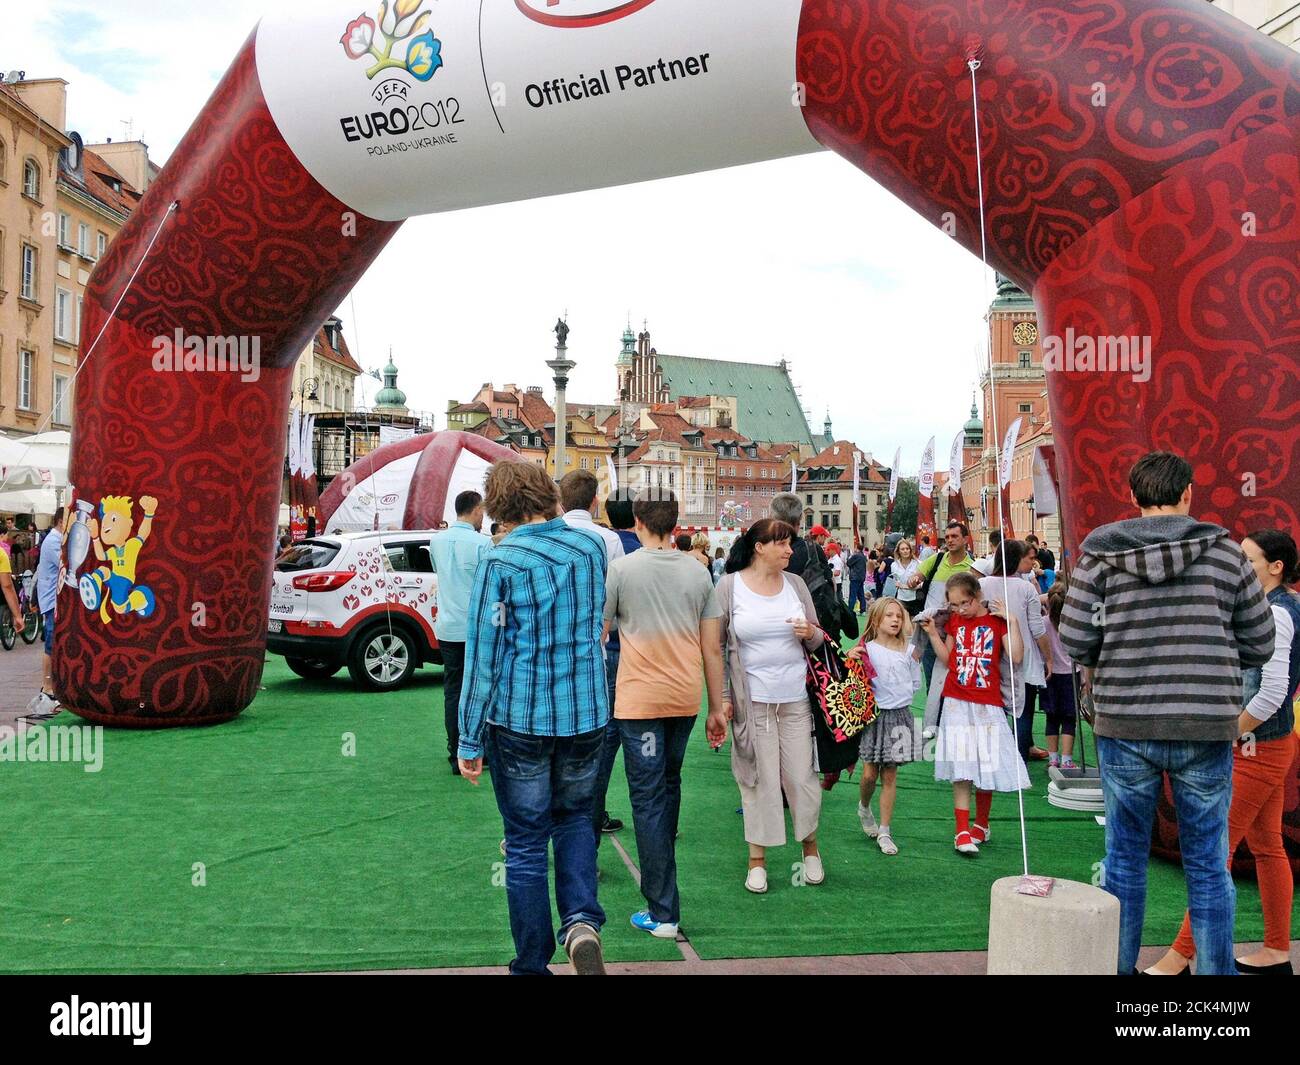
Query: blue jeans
[(543, 786), (1201, 774), (653, 752), (609, 750), (857, 594)]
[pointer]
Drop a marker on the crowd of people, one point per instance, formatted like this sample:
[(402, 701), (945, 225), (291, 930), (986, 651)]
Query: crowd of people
[(567, 642), (25, 552)]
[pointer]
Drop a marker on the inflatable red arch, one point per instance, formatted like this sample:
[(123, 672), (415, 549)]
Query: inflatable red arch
[(1140, 177)]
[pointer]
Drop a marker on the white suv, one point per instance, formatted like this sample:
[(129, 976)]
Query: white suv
[(364, 600)]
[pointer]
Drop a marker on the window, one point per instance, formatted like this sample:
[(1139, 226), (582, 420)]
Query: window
[(65, 226), (672, 478), (584, 462), (101, 244), (810, 498), (1026, 408), (835, 499), (26, 360), (749, 471), (409, 558), (31, 179), (76, 333), (62, 314), (83, 240), (30, 265), (826, 499), (61, 400), (1026, 360)]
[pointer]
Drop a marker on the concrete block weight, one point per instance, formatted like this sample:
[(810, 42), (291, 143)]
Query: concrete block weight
[(1074, 930)]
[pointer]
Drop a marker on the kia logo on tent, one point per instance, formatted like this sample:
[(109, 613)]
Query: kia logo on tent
[(575, 14)]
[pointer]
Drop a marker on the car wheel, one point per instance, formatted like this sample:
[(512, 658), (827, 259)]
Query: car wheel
[(382, 659), (313, 668)]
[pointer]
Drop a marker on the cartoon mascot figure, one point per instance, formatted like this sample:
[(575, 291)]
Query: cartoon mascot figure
[(113, 584)]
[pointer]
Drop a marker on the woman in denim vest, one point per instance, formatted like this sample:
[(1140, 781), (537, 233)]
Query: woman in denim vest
[(1261, 765)]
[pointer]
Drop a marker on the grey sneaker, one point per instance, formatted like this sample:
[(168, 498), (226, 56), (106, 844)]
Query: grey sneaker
[(868, 820), (582, 945)]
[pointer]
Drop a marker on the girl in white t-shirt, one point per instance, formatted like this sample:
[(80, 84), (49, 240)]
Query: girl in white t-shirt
[(891, 739)]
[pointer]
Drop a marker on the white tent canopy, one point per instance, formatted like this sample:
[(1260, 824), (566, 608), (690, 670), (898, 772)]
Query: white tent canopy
[(33, 472)]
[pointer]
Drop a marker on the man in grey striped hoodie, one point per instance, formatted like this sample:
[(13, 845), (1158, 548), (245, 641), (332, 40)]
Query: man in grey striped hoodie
[(1166, 611)]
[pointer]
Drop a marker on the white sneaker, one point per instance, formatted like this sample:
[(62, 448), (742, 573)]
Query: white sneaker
[(868, 820), (928, 734), (42, 706), (887, 844), (813, 871), (756, 881)]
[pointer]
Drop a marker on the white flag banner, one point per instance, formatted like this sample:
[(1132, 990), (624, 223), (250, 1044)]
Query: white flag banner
[(295, 442), (954, 462), (857, 477), (1046, 501), (613, 474), (893, 476), (392, 434), (927, 470), (1008, 452), (308, 452), (794, 475)]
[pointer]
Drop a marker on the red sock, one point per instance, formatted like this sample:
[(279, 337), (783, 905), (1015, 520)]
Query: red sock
[(963, 820), (983, 803)]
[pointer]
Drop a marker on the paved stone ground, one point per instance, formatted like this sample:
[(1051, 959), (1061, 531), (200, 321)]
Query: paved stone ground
[(20, 680), (966, 963)]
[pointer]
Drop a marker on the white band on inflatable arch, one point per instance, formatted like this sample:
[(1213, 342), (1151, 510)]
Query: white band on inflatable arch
[(501, 147)]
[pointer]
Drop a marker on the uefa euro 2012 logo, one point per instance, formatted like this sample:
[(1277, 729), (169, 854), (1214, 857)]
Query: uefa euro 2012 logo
[(423, 55)]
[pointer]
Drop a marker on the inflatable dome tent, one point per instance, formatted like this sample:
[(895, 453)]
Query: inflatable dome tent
[(410, 484)]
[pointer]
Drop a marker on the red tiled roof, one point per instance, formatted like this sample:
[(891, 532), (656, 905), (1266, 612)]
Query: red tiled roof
[(534, 411), (504, 397), (693, 402), (321, 347), (99, 181), (469, 408)]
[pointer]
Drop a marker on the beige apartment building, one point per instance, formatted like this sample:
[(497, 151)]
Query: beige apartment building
[(60, 206)]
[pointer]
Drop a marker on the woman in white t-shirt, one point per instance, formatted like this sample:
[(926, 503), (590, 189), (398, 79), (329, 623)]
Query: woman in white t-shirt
[(768, 620), (890, 740), (905, 571)]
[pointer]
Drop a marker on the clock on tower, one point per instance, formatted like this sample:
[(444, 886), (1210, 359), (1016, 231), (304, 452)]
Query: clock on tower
[(1025, 333)]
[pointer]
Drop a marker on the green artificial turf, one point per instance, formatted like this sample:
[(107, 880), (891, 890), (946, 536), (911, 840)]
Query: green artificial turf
[(313, 859)]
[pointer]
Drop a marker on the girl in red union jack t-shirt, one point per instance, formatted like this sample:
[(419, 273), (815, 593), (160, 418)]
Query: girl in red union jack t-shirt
[(975, 745)]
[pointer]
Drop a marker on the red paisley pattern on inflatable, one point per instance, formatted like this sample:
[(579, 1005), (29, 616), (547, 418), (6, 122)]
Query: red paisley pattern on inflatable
[(256, 249), (1123, 144)]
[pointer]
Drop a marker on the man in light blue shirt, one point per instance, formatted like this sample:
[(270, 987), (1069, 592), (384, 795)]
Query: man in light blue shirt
[(45, 705), (456, 554)]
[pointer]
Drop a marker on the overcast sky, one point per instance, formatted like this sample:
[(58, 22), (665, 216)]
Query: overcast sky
[(878, 312)]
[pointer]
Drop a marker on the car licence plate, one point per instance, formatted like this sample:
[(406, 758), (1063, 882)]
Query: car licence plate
[(275, 626)]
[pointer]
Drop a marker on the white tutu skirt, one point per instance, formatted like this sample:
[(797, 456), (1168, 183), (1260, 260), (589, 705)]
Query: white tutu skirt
[(975, 743)]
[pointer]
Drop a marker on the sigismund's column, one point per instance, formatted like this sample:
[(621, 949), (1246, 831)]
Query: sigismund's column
[(561, 366)]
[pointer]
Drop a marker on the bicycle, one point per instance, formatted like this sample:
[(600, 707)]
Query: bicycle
[(33, 623)]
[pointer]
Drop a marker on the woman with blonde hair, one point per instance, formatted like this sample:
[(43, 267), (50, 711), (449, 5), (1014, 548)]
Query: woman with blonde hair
[(700, 549), (905, 572), (890, 740)]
